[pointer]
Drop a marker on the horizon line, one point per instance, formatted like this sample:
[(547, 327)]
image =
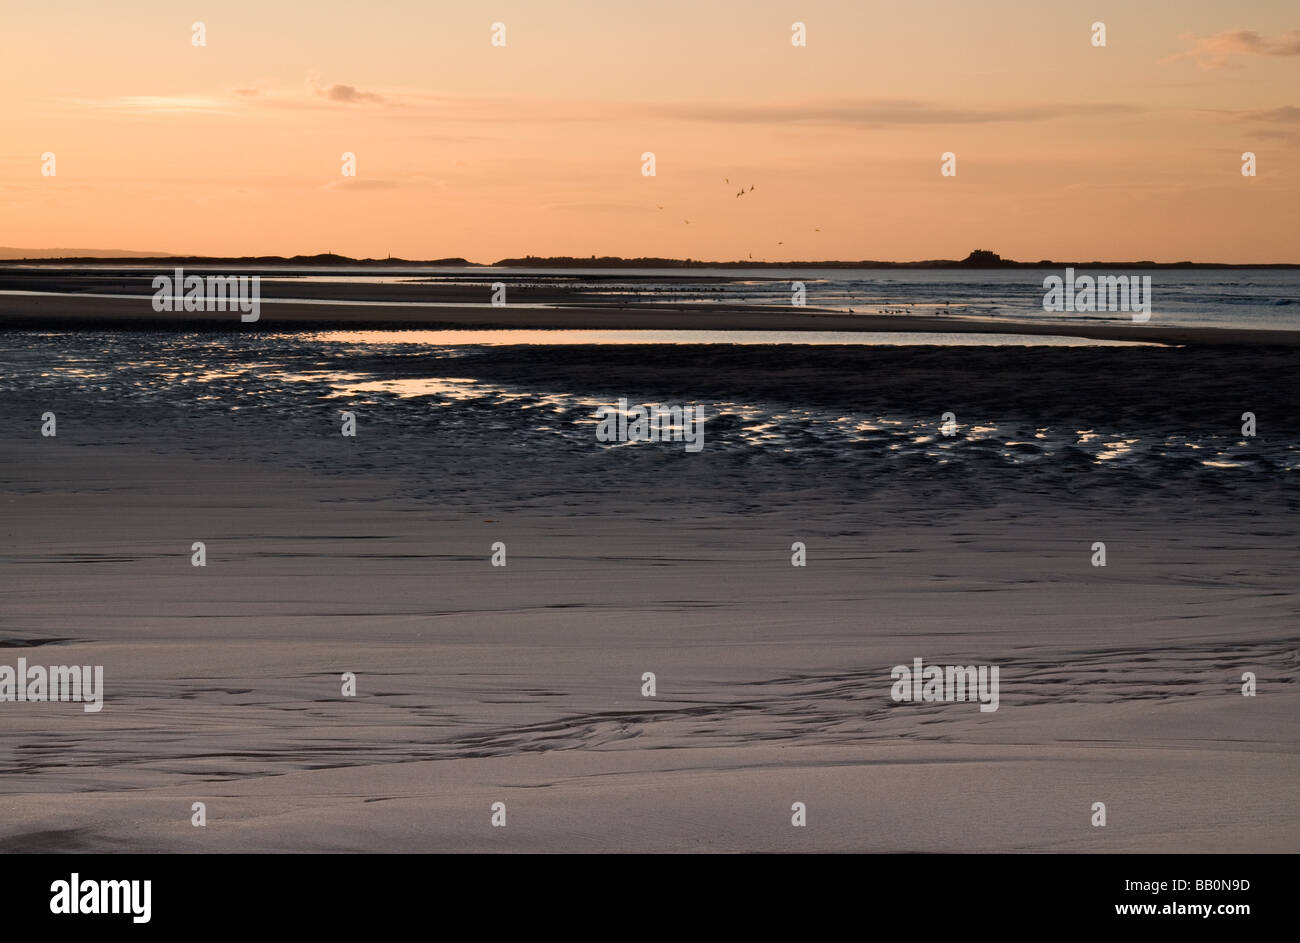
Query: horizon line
[(985, 260)]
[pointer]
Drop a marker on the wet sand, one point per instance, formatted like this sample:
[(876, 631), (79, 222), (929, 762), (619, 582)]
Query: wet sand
[(71, 311), (522, 684)]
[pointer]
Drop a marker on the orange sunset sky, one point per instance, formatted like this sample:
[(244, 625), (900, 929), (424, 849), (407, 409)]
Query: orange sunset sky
[(1064, 150)]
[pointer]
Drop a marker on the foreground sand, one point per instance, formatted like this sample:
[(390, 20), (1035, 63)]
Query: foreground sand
[(522, 684)]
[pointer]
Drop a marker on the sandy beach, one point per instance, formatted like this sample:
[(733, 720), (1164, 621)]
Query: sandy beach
[(522, 684)]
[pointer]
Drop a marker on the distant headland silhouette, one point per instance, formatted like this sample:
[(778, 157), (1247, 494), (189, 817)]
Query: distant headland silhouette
[(977, 259)]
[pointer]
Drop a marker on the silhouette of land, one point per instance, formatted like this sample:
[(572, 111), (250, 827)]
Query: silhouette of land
[(979, 258)]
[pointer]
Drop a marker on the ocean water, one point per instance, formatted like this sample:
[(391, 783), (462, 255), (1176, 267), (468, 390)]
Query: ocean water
[(1242, 298)]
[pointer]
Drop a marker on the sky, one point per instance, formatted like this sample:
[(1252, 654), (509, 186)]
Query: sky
[(1064, 150)]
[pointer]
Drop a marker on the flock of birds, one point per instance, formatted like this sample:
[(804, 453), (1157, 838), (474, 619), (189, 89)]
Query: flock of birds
[(742, 191), (739, 193)]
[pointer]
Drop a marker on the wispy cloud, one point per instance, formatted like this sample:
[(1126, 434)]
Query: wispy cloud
[(162, 104), (1215, 52), (1287, 114), (346, 94), (423, 106), (361, 183), (875, 113), (1281, 124)]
